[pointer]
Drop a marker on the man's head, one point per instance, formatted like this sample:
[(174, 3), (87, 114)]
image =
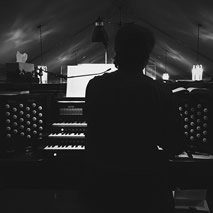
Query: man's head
[(133, 45)]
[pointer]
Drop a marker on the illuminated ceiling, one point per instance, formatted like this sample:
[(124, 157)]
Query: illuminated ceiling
[(67, 27)]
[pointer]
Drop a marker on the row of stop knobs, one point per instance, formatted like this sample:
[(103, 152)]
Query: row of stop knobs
[(24, 120)]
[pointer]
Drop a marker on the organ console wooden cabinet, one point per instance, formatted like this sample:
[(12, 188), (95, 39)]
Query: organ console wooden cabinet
[(46, 127)]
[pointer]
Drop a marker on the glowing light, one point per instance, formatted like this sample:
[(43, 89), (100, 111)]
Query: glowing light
[(197, 72), (165, 76)]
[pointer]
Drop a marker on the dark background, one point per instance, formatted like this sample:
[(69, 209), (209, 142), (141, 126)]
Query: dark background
[(67, 27)]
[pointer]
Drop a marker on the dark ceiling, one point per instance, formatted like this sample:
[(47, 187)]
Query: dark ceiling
[(67, 27)]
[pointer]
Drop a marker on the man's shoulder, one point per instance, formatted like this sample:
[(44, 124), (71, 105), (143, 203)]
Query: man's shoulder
[(100, 82), (102, 78)]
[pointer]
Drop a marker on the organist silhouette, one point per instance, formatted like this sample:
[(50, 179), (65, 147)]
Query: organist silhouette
[(129, 115)]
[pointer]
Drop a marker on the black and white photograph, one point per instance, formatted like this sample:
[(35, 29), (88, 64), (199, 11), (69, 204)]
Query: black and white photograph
[(106, 106)]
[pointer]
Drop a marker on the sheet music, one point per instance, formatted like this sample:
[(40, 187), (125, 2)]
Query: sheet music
[(203, 156)]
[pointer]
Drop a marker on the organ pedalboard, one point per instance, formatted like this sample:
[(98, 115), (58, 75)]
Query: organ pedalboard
[(67, 130)]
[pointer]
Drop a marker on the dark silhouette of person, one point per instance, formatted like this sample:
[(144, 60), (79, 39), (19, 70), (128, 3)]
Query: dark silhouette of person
[(129, 117)]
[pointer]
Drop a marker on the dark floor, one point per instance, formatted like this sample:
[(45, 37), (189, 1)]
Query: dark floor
[(15, 200), (39, 201), (18, 196)]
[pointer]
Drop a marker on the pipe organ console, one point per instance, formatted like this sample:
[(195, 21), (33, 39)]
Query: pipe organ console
[(45, 129), (56, 127), (67, 131)]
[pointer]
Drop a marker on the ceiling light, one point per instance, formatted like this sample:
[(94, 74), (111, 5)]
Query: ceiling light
[(99, 33)]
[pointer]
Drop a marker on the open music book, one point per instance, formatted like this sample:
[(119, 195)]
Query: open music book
[(201, 156), (189, 89)]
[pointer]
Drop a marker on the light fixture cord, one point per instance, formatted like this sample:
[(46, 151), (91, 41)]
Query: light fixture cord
[(41, 45), (198, 42)]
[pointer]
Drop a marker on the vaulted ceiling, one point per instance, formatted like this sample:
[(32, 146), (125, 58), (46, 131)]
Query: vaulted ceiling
[(67, 26)]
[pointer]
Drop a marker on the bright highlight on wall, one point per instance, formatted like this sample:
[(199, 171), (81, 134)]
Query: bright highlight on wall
[(150, 71), (76, 84)]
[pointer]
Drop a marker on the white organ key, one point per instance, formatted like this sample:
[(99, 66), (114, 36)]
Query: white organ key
[(66, 135), (73, 124), (64, 147)]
